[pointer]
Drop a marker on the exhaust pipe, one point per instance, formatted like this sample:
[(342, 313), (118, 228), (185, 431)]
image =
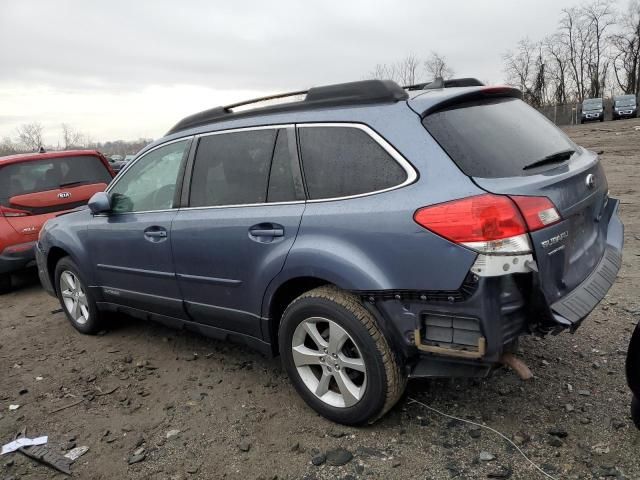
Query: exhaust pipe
[(517, 365)]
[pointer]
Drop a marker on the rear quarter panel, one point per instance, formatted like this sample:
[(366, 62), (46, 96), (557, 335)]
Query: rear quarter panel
[(372, 242)]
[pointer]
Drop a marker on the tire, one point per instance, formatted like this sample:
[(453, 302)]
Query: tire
[(602, 119), (86, 319), (635, 411), (5, 283), (349, 396)]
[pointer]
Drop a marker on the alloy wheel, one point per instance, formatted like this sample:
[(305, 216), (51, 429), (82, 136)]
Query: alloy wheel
[(74, 297), (329, 362)]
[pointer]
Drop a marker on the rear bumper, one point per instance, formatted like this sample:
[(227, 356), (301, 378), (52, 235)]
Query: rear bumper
[(571, 309), (17, 257)]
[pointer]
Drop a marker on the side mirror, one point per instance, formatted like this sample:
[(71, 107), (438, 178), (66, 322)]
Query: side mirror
[(100, 203)]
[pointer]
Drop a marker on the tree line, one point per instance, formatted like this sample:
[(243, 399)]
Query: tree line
[(30, 138), (595, 51)]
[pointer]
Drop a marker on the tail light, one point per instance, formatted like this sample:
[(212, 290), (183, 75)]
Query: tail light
[(12, 212), (493, 224), (538, 212)]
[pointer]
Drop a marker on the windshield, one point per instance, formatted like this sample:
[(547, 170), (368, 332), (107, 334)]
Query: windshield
[(626, 101), (592, 103), (50, 174), (498, 138)]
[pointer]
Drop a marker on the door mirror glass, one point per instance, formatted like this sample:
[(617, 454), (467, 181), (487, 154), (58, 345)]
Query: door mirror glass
[(100, 203)]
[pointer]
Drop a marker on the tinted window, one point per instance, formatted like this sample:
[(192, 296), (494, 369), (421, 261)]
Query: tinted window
[(150, 183), (50, 174), (496, 138), (281, 186), (344, 161), (232, 168)]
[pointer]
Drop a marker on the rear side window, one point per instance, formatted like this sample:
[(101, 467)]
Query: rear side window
[(498, 138), (232, 168), (50, 174), (345, 161)]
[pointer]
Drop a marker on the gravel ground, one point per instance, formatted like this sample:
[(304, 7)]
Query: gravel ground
[(188, 407)]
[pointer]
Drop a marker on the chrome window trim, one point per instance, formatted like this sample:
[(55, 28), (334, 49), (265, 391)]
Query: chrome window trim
[(412, 175)]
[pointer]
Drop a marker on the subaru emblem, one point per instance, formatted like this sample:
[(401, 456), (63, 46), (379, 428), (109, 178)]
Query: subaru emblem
[(590, 181)]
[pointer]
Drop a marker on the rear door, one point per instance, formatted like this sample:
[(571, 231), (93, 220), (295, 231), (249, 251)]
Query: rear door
[(33, 191), (131, 246), (509, 148), (245, 203)]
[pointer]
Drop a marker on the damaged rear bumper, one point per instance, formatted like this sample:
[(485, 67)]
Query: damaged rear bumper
[(466, 333)]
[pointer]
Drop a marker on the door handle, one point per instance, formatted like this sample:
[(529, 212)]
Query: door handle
[(155, 234), (267, 232)]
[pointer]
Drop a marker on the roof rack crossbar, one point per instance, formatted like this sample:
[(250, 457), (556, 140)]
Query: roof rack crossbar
[(344, 94), (276, 96)]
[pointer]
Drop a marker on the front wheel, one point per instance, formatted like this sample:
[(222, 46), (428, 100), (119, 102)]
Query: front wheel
[(338, 358), (76, 299)]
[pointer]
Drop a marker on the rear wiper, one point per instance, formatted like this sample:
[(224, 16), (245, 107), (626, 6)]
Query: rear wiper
[(553, 158), (77, 182)]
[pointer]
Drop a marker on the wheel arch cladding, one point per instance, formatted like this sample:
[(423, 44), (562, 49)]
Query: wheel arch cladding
[(53, 257), (285, 293)]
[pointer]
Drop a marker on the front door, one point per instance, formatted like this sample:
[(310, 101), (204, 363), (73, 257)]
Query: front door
[(245, 205), (132, 245)]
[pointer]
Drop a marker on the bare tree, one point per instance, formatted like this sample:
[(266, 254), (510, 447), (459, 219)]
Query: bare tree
[(70, 137), (407, 70), (599, 17), (30, 135), (557, 66), (7, 147), (437, 67), (625, 46), (574, 35)]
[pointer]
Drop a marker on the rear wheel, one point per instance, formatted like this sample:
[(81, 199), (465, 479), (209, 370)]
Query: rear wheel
[(75, 298), (635, 411), (338, 359), (5, 283)]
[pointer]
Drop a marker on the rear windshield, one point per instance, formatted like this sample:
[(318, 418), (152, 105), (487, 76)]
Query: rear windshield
[(50, 174), (496, 138)]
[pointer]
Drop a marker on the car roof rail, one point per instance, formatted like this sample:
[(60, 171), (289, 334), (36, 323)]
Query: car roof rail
[(342, 94), (439, 82)]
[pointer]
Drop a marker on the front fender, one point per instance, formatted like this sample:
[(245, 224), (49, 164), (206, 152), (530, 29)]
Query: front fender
[(69, 233)]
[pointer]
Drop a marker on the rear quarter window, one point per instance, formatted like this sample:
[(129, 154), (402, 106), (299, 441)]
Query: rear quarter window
[(496, 138), (345, 161)]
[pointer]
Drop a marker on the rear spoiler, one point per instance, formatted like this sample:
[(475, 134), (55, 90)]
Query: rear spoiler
[(439, 82), (476, 94)]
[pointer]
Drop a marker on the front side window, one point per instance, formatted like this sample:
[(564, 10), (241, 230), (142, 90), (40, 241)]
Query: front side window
[(150, 184), (233, 168), (345, 161)]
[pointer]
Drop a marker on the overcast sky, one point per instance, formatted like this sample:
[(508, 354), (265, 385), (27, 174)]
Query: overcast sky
[(128, 69)]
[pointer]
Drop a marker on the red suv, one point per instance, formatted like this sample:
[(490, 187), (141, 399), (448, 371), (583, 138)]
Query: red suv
[(35, 187)]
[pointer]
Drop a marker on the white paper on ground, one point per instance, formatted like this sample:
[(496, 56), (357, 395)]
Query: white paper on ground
[(76, 453), (23, 442)]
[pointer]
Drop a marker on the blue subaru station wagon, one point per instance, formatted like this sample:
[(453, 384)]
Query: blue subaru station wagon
[(365, 232)]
